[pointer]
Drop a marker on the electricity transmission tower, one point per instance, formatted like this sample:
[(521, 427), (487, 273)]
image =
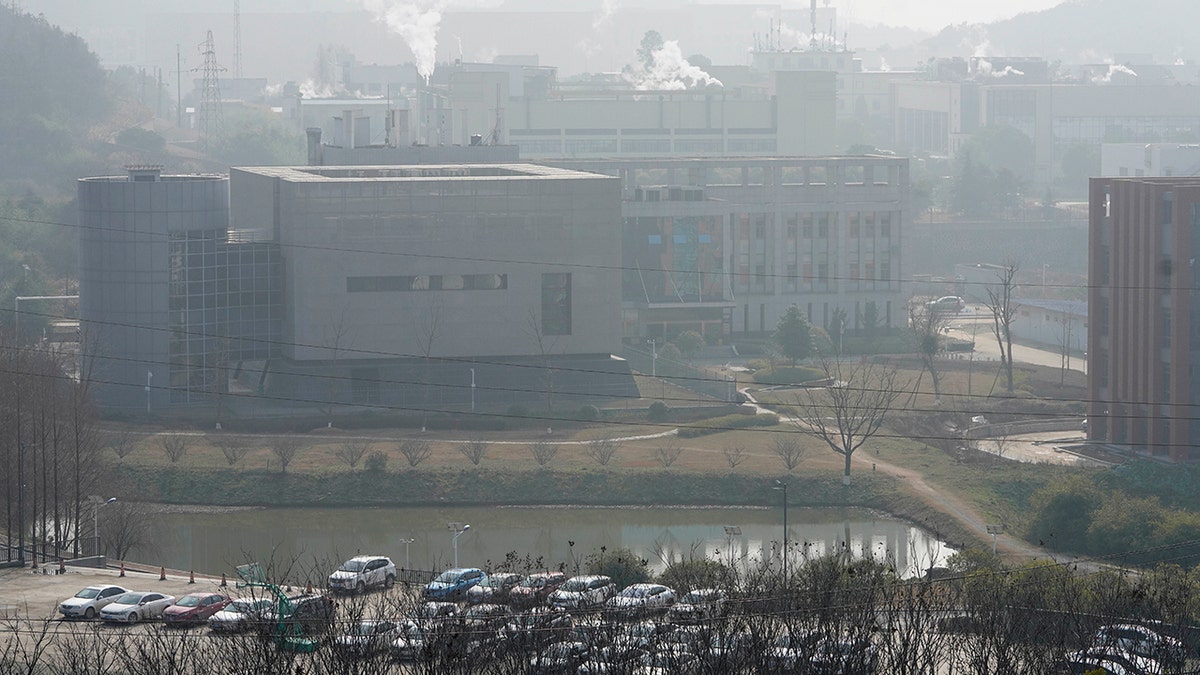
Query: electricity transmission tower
[(208, 118)]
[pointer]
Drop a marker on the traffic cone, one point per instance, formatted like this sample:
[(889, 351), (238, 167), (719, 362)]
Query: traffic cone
[(122, 569), (191, 576), (62, 566), (308, 588), (223, 584), (162, 574)]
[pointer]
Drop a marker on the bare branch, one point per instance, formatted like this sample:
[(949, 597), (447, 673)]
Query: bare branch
[(285, 449), (668, 452), (789, 450), (175, 445), (602, 450), (734, 455), (543, 452), (235, 448), (415, 450), (474, 450), (351, 451)]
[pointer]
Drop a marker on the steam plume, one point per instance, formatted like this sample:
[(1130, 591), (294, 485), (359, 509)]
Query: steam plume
[(671, 71)]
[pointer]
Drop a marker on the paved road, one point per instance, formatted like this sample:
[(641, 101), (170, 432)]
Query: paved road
[(976, 325)]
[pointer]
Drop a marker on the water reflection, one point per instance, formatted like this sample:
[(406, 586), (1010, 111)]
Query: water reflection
[(549, 536)]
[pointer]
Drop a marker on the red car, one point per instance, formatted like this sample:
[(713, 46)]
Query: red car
[(536, 588), (195, 608)]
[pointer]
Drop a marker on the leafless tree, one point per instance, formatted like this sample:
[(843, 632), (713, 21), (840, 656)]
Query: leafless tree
[(352, 450), (427, 332), (851, 409), (234, 448), (545, 346), (1064, 344), (122, 442), (543, 451), (602, 450), (927, 325), (334, 335), (415, 450), (474, 450), (789, 450), (1000, 303), (668, 452), (734, 455), (124, 526), (175, 445), (285, 449)]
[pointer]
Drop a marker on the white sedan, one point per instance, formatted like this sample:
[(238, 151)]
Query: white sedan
[(88, 602), (641, 599), (137, 606)]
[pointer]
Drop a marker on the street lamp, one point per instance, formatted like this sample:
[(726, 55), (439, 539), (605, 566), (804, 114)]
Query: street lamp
[(472, 390), (653, 359), (458, 529), (732, 531), (782, 486), (149, 375), (96, 519), (406, 542)]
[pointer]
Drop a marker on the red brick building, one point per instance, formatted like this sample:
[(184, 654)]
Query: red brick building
[(1144, 309)]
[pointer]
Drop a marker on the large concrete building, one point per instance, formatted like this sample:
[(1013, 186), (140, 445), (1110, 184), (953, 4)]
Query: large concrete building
[(1144, 315), (414, 287)]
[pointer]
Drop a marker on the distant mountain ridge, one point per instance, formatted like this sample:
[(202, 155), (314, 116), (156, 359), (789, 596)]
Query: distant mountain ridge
[(1080, 31)]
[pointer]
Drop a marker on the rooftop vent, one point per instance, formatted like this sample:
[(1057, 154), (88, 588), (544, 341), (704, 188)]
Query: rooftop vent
[(144, 173)]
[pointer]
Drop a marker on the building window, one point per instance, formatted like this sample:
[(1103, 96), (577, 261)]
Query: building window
[(556, 303)]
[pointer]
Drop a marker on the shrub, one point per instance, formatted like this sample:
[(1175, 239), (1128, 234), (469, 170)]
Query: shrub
[(785, 375), (658, 412), (623, 566), (588, 413), (726, 423), (376, 461)]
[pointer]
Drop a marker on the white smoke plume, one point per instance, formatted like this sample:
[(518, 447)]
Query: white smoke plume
[(417, 23), (1113, 68), (1008, 70), (884, 66), (604, 14), (671, 72), (311, 89)]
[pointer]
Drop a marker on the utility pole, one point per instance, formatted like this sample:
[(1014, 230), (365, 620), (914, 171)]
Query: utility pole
[(178, 88)]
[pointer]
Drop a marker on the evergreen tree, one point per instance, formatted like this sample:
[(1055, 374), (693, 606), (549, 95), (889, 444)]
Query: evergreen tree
[(793, 335)]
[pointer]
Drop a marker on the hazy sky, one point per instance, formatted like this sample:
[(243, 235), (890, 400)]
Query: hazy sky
[(934, 14)]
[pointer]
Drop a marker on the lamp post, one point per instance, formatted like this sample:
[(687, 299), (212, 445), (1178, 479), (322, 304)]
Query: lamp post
[(653, 359), (732, 531), (472, 390), (458, 529), (96, 519), (149, 375), (782, 486), (406, 542)]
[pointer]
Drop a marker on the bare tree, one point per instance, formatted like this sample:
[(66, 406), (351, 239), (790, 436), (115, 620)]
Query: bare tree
[(352, 450), (285, 449), (427, 331), (543, 452), (734, 455), (415, 450), (334, 335), (1000, 303), (927, 325), (175, 445), (1064, 344), (602, 450), (789, 450), (851, 409), (125, 526), (234, 448), (545, 346), (474, 450), (668, 452), (122, 442)]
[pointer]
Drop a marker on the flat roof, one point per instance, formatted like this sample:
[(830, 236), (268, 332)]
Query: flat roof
[(417, 172)]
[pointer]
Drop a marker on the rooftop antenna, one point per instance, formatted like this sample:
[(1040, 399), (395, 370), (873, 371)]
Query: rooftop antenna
[(237, 38), (209, 120)]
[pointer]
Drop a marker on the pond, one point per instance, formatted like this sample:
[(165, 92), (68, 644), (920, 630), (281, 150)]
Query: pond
[(214, 541)]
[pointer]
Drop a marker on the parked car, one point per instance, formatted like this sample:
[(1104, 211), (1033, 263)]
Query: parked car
[(486, 617), (535, 588), (362, 572), (1141, 641), (845, 656), (369, 636), (640, 600), (792, 651), (947, 304), (136, 606), (411, 644), (239, 615), (701, 604), (1113, 660), (452, 584), (612, 661), (494, 588), (195, 608), (88, 602), (691, 639), (558, 658), (668, 663), (727, 652), (640, 635), (431, 613), (583, 592), (535, 628), (313, 614)]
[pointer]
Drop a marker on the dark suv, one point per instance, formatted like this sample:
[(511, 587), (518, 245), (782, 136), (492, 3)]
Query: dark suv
[(313, 613)]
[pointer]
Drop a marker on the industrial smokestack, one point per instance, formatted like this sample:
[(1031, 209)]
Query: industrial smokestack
[(812, 41)]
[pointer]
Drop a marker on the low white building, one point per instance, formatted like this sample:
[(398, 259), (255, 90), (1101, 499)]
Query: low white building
[(1053, 323)]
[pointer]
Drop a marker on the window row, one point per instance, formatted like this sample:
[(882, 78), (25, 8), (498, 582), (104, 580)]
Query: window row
[(427, 282)]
